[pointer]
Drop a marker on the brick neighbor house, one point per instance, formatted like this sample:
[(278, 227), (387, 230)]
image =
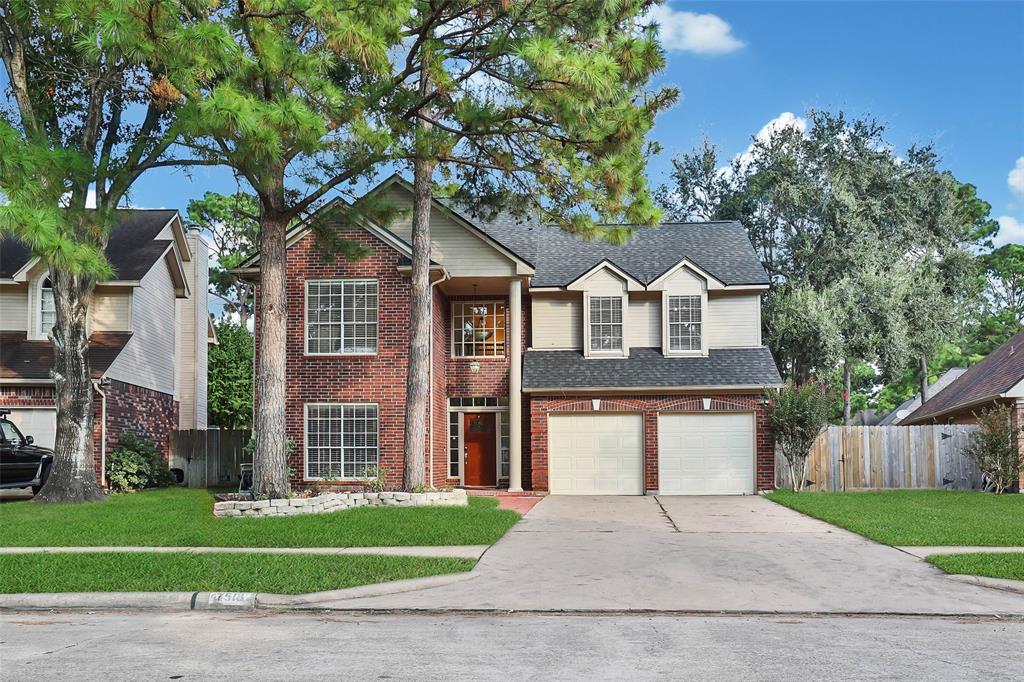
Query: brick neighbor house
[(996, 380), (149, 333), (558, 364)]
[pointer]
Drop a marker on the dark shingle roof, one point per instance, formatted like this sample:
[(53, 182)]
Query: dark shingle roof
[(996, 374), (720, 248), (132, 248), (648, 368), (23, 359), (914, 401)]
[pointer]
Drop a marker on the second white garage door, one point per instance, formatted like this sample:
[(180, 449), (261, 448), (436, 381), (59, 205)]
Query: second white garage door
[(705, 454), (38, 422), (595, 454)]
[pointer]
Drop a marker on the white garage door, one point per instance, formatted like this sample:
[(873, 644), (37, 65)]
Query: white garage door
[(595, 454), (705, 454), (40, 423)]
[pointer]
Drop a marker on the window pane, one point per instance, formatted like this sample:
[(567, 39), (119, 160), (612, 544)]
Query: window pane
[(47, 308), (341, 317), (684, 323), (478, 329), (360, 440), (606, 323)]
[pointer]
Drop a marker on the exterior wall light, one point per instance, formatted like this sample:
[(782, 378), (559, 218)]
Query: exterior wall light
[(707, 403), (474, 367)]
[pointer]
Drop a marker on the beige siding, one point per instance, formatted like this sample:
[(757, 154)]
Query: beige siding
[(734, 321), (643, 322), (111, 311), (605, 283), (13, 308), (192, 344), (557, 321), (685, 282), (148, 358), (457, 248)]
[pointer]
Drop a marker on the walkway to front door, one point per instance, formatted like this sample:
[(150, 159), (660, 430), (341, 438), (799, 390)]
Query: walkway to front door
[(479, 449), (694, 553)]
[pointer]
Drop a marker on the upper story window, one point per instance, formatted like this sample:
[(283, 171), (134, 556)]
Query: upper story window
[(341, 317), (47, 308), (478, 329), (684, 323), (605, 323)]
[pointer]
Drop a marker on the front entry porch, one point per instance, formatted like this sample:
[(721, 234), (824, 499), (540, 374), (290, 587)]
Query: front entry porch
[(478, 443)]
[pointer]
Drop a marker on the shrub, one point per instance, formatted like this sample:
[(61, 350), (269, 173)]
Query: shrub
[(136, 464), (993, 447), (797, 414)]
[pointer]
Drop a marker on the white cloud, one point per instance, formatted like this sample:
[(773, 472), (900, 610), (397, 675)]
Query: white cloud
[(786, 119), (1015, 178), (692, 32), (1011, 231)]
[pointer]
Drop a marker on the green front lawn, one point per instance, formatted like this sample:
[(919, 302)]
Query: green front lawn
[(272, 573), (181, 517), (1009, 566), (918, 517)]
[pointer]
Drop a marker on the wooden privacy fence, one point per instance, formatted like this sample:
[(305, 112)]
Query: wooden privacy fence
[(852, 457), (210, 458)]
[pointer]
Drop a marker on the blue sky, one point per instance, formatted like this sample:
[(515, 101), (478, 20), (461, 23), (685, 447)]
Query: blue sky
[(948, 72)]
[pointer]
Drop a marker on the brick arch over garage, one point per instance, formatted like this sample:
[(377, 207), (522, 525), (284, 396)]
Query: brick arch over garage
[(649, 406)]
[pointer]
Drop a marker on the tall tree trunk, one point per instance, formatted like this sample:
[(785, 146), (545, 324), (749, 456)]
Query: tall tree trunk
[(73, 477), (846, 392), (418, 378), (923, 364), (270, 460)]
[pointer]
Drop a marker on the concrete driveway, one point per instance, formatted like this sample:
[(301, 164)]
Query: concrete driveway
[(741, 554)]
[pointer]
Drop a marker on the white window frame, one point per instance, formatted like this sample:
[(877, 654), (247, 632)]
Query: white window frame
[(697, 305), (666, 341), (40, 331), (306, 323), (589, 351), (451, 330), (305, 441)]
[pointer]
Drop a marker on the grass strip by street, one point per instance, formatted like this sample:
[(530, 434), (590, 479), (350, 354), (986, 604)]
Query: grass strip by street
[(1009, 566), (271, 573), (917, 517), (182, 517)]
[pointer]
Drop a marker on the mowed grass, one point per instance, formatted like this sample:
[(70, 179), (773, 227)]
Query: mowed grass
[(1009, 566), (918, 517), (181, 517), (273, 573)]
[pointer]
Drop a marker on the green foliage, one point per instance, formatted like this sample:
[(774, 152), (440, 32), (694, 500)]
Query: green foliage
[(136, 464), (993, 448), (1004, 565), (797, 414), (229, 397)]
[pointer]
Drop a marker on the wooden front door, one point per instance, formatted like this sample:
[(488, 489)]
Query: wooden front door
[(479, 449)]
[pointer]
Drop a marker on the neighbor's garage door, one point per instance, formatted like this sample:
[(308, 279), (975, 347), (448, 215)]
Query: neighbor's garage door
[(40, 423), (595, 454), (705, 454)]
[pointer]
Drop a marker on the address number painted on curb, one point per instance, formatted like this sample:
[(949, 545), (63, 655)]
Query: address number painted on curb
[(232, 599)]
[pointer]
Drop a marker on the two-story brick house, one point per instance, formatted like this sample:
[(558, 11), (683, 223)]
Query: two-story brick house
[(558, 364), (149, 332)]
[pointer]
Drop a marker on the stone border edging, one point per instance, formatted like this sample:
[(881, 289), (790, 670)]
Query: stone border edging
[(332, 502)]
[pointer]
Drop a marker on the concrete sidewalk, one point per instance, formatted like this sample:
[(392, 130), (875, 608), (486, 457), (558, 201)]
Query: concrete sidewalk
[(444, 551)]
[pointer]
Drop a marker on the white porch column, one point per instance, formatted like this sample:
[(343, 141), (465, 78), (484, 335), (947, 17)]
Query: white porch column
[(515, 387)]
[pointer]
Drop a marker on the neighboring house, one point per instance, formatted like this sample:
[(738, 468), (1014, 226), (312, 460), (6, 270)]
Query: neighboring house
[(910, 404), (996, 380), (558, 364), (149, 330)]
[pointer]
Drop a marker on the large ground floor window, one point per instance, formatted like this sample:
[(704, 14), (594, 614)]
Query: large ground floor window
[(341, 441)]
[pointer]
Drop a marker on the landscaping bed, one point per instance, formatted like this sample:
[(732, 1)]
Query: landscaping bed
[(1005, 565), (270, 573), (918, 517), (183, 517)]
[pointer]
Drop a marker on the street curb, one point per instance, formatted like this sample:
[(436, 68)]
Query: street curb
[(214, 601), (1015, 586)]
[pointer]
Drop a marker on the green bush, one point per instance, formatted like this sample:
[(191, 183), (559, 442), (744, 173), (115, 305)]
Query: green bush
[(136, 464), (993, 448), (797, 414)]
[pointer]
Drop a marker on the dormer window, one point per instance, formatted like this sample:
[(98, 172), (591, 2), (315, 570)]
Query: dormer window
[(684, 323), (47, 308), (605, 324)]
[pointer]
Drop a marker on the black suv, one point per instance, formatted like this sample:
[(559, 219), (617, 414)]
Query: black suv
[(22, 464)]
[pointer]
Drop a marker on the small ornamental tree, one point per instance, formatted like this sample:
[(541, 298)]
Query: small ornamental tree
[(797, 414), (994, 448)]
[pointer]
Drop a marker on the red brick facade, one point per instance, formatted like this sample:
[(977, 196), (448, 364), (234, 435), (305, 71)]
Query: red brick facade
[(649, 406), (148, 413)]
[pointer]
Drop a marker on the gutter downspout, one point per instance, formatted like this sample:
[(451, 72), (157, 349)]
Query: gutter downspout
[(97, 385), (430, 377)]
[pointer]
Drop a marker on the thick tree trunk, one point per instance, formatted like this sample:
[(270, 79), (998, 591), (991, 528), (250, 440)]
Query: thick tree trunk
[(418, 379), (846, 392), (923, 364), (73, 477), (270, 459)]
